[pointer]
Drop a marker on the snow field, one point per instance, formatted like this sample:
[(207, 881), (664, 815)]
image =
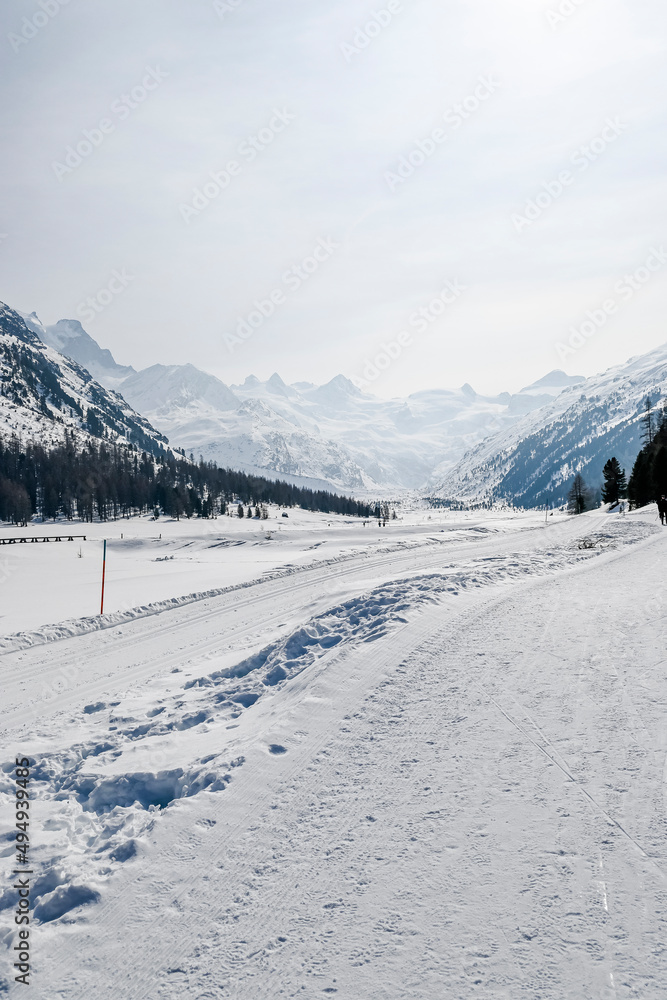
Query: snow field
[(105, 792), (47, 591), (429, 847)]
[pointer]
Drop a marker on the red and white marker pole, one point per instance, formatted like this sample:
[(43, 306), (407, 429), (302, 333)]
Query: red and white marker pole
[(104, 567)]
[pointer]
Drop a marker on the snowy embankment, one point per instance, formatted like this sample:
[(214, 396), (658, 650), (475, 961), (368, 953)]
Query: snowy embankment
[(49, 592), (106, 775), (94, 623)]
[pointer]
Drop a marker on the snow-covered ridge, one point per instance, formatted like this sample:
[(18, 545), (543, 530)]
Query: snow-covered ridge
[(43, 394), (534, 460), (68, 337)]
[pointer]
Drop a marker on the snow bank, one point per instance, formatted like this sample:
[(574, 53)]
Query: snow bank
[(94, 623)]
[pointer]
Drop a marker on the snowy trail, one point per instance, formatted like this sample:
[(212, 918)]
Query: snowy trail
[(323, 790), (318, 893), (55, 674)]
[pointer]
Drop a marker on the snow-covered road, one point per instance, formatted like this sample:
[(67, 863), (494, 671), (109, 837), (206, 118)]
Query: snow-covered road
[(432, 772)]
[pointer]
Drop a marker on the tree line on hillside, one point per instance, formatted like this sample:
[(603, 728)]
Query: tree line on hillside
[(99, 480), (648, 480)]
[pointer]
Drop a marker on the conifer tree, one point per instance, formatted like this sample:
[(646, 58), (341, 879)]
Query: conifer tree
[(580, 497), (648, 423), (640, 485), (615, 485), (659, 472), (101, 479)]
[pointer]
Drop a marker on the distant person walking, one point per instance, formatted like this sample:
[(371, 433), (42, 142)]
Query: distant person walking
[(662, 509)]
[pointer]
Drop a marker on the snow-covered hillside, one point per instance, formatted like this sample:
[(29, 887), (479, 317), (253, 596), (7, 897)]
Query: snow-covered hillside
[(334, 433), (331, 435), (201, 414), (396, 442), (534, 460), (42, 394)]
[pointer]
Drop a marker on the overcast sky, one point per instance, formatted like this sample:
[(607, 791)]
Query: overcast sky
[(520, 93)]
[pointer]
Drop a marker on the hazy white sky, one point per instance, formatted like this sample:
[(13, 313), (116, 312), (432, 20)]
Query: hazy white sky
[(339, 101)]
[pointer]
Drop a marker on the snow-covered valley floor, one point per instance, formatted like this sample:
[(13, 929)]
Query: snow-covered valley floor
[(430, 765)]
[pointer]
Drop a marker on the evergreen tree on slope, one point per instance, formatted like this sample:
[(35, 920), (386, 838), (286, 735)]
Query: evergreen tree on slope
[(640, 486), (615, 485), (580, 496)]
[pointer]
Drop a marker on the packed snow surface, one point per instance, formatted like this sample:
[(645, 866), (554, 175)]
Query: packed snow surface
[(422, 762)]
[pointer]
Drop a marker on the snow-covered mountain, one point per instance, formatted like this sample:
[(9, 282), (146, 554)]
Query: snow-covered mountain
[(42, 393), (331, 435), (327, 435), (201, 414), (534, 460), (396, 442), (163, 389), (68, 337)]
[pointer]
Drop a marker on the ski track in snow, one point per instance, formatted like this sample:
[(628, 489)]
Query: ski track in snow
[(97, 810), (95, 623)]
